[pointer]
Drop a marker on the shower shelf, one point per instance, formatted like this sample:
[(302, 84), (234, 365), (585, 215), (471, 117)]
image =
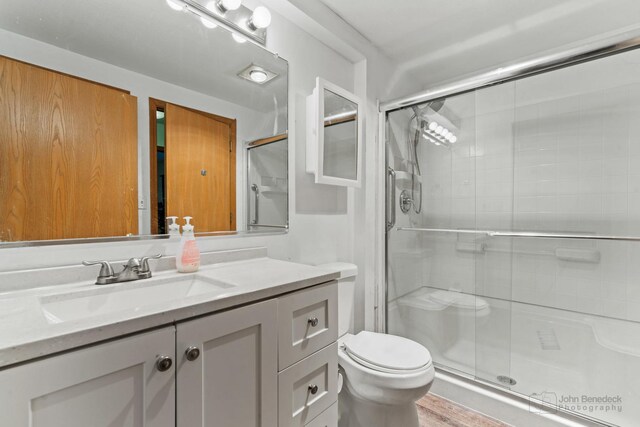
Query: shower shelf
[(523, 234)]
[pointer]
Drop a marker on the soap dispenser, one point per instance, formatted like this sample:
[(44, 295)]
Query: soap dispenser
[(188, 258), (174, 227)]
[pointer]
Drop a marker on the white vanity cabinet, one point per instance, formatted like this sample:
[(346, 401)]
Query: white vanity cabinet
[(308, 355), (267, 364), (120, 383), (227, 368)]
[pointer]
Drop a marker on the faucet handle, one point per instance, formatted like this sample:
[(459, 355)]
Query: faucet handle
[(105, 271), (144, 262)]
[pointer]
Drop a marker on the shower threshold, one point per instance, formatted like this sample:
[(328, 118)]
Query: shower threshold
[(503, 404)]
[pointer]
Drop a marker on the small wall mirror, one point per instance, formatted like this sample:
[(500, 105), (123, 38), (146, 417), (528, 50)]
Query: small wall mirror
[(334, 137)]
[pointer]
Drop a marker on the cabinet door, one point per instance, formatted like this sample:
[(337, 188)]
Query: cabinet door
[(112, 384), (233, 380)]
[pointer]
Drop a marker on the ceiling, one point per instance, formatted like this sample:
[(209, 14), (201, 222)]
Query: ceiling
[(436, 41), (148, 37)]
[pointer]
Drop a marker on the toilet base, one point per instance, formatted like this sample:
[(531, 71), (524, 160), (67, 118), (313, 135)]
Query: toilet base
[(355, 412)]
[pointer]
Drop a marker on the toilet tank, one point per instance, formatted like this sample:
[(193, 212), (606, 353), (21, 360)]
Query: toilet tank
[(346, 294)]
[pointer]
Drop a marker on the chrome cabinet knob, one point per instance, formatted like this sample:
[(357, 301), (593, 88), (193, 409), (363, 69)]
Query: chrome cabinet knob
[(192, 353), (164, 363), (313, 389), (313, 321)]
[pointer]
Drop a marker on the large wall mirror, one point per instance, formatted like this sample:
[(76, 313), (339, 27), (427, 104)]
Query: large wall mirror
[(115, 115)]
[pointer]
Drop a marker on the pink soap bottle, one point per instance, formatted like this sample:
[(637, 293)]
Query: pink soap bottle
[(188, 258)]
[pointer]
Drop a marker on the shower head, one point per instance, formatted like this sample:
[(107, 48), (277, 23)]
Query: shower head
[(436, 105)]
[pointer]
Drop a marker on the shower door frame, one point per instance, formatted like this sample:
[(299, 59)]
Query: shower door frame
[(619, 43)]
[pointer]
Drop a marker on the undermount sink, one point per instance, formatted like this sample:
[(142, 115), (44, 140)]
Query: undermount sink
[(125, 296)]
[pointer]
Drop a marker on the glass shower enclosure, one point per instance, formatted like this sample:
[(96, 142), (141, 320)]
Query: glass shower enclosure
[(514, 251)]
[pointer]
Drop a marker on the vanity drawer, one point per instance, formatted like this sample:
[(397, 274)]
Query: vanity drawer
[(308, 388), (307, 322), (329, 418)]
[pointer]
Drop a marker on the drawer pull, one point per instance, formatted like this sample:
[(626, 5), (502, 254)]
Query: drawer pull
[(313, 388), (163, 363), (192, 353), (313, 321)]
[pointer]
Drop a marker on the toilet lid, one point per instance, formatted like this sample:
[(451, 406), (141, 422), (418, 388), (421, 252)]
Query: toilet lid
[(387, 353)]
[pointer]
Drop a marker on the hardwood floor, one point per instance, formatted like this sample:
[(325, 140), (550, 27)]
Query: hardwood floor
[(435, 411)]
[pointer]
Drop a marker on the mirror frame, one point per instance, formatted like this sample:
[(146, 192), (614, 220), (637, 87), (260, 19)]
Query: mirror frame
[(315, 134)]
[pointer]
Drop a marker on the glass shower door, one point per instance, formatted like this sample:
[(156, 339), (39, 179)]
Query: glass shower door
[(433, 250)]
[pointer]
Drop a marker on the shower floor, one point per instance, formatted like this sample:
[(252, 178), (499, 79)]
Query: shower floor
[(435, 411), (558, 356)]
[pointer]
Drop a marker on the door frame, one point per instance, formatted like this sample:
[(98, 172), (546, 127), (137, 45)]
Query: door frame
[(157, 104)]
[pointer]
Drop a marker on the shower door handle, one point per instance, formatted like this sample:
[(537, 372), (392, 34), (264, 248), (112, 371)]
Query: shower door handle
[(391, 201), (256, 201)]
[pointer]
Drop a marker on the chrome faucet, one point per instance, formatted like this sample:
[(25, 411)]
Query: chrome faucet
[(134, 269)]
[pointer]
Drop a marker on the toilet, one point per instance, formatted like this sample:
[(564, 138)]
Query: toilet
[(383, 375)]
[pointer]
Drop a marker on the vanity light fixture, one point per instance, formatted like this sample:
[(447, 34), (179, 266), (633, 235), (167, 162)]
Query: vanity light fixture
[(176, 5), (238, 38), (257, 74), (226, 5), (261, 18), (207, 22), (243, 22)]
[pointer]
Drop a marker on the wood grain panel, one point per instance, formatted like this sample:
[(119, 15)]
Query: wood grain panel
[(68, 156), (197, 141)]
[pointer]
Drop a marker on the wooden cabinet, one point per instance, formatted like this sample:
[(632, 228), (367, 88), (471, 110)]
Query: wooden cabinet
[(112, 384), (224, 372), (233, 381)]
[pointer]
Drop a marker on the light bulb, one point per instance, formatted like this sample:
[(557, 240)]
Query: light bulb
[(433, 126), (229, 4), (439, 130), (453, 139), (208, 22), (445, 132), (238, 38), (175, 5), (258, 76), (261, 18)]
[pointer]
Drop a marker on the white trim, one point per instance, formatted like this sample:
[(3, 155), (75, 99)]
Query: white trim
[(315, 134), (380, 229)]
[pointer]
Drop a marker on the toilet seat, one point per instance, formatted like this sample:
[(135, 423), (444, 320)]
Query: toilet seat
[(387, 353)]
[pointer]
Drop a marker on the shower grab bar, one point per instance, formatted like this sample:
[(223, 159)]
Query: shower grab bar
[(391, 217), (525, 234), (269, 225)]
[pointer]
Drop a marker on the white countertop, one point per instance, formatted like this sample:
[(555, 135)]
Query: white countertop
[(28, 332)]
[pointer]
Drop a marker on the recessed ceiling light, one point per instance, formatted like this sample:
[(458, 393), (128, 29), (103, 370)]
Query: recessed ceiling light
[(256, 74)]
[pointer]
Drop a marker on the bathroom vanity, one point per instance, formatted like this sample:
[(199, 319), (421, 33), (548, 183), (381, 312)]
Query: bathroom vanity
[(246, 342)]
